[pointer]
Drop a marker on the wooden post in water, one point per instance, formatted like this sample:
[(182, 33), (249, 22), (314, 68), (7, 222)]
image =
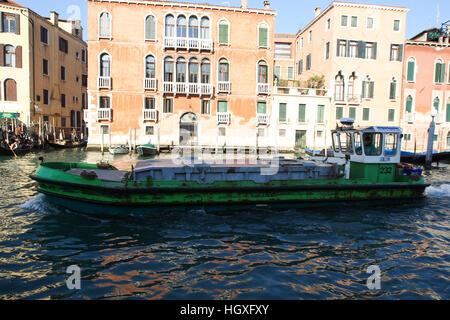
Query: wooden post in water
[(135, 138), (129, 141), (103, 140), (429, 157), (159, 140)]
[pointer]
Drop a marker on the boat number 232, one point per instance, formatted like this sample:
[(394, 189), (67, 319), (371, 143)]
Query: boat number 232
[(385, 170)]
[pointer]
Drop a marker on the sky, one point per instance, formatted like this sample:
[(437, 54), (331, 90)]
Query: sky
[(292, 14)]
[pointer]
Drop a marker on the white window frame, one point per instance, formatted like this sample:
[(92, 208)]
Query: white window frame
[(373, 23), (347, 23), (395, 115), (110, 25), (399, 25), (370, 114), (357, 21), (266, 25), (415, 69), (156, 27), (293, 70), (441, 61), (223, 20)]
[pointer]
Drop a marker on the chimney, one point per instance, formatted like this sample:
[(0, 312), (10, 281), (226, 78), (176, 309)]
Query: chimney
[(244, 4), (317, 11), (266, 5), (54, 18)]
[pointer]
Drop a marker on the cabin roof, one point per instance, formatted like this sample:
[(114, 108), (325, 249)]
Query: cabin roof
[(375, 129)]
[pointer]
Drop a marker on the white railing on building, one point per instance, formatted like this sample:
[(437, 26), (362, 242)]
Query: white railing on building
[(206, 89), (104, 82), (224, 87), (188, 88), (188, 43), (263, 88), (440, 118), (150, 84), (263, 119), (354, 99), (169, 87), (223, 118), (150, 115), (104, 114), (410, 117)]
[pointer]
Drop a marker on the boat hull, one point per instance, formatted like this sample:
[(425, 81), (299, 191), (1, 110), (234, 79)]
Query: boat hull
[(147, 152)]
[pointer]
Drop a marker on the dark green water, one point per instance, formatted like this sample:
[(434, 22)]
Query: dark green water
[(226, 253)]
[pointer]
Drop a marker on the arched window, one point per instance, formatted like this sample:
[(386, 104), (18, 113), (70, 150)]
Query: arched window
[(368, 88), (437, 103), (78, 119), (181, 27), (105, 65), (104, 25), (262, 72), (72, 119), (10, 88), (193, 27), (150, 28), (170, 26), (150, 67), (224, 70), (411, 73), (339, 87), (263, 35), (447, 118), (193, 70), (439, 71), (168, 69), (181, 70), (352, 85), (223, 31), (409, 103), (206, 71), (10, 56), (393, 89), (204, 28)]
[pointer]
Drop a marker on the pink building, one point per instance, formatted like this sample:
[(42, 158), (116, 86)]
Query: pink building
[(426, 90)]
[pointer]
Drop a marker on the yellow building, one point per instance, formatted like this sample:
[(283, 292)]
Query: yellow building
[(43, 69)]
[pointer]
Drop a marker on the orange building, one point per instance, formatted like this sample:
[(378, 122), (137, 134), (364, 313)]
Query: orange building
[(178, 73), (426, 90)]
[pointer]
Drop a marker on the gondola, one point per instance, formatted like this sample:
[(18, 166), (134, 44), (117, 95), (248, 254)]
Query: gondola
[(67, 144), (420, 158)]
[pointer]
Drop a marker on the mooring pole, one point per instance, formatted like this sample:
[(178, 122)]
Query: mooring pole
[(429, 157)]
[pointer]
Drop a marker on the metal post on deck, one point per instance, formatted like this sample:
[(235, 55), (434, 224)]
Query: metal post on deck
[(429, 157)]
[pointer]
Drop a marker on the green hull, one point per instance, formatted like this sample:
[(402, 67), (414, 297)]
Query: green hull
[(97, 196)]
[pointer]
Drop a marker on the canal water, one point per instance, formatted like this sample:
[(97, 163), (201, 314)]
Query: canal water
[(225, 253)]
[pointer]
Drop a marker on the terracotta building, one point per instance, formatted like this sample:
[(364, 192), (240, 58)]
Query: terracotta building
[(426, 90), (43, 68), (178, 73)]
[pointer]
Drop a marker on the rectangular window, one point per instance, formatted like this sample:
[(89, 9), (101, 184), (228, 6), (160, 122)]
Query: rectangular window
[(327, 51), (222, 106), (222, 132), (353, 49), (44, 35), (104, 129), (302, 113), (282, 133), (10, 23), (310, 36), (168, 105), (282, 113), (308, 62), (300, 67), (342, 48), (63, 122), (63, 100), (83, 56), (262, 108), (328, 24), (263, 37), (320, 114), (261, 132), (206, 106), (396, 25), (84, 80), (278, 72), (354, 21), (302, 42), (45, 67), (369, 23), (105, 103), (83, 101), (150, 103), (439, 72), (63, 73), (45, 94), (366, 114), (63, 45), (339, 113), (344, 21), (223, 33), (352, 113), (290, 73), (396, 52), (391, 116), (149, 130)]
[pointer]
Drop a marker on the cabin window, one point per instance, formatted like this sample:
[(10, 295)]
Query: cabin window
[(390, 148), (336, 144), (373, 144), (358, 144), (346, 143)]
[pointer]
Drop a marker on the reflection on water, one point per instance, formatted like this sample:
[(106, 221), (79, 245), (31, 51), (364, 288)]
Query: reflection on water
[(279, 252)]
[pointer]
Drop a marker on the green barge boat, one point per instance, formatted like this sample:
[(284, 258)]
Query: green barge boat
[(365, 165)]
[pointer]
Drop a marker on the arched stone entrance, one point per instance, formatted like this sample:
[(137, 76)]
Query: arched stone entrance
[(188, 129)]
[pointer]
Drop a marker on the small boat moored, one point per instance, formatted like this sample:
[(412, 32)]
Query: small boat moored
[(119, 150), (364, 167), (147, 150)]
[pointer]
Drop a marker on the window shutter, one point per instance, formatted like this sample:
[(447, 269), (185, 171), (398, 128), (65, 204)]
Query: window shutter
[(371, 89), (411, 67), (361, 49), (391, 116), (302, 113), (338, 48), (442, 72), (223, 106), (262, 108), (437, 72), (150, 30), (17, 23), (364, 89), (347, 48), (375, 47), (408, 105), (263, 37), (223, 34), (448, 112), (400, 52), (393, 89), (1, 21), (282, 111), (2, 55), (18, 57)]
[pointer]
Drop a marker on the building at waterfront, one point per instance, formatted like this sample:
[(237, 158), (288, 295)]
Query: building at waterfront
[(177, 73), (426, 90), (43, 68), (356, 51)]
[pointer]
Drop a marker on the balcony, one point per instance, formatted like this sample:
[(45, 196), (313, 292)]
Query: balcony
[(150, 115), (200, 89), (354, 99), (188, 44), (263, 88), (223, 118), (104, 114), (150, 84), (410, 117), (440, 118), (104, 83), (224, 87), (263, 119)]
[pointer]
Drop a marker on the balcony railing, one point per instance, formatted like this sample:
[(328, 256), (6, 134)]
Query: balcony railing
[(410, 117), (263, 119), (104, 82), (188, 88), (223, 118), (150, 115), (263, 88), (440, 118), (224, 87), (150, 84), (104, 114), (188, 43), (354, 98)]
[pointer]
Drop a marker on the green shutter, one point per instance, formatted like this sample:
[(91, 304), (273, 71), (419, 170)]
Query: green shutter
[(262, 108), (409, 104), (364, 89), (1, 21), (302, 113), (320, 113), (361, 49), (282, 112), (352, 113), (371, 89), (411, 67), (437, 73), (366, 114), (339, 113), (442, 73), (374, 54), (338, 48), (436, 104), (391, 116), (393, 90), (223, 34), (400, 52), (448, 112), (263, 37), (222, 106)]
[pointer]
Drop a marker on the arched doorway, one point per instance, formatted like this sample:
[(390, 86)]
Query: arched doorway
[(188, 129)]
